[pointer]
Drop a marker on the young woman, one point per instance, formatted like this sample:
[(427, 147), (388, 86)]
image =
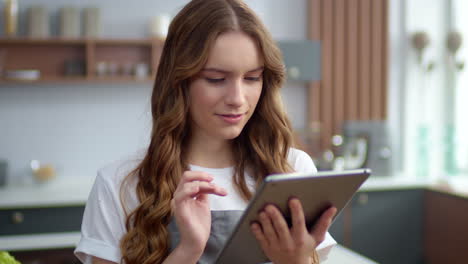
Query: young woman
[(218, 130)]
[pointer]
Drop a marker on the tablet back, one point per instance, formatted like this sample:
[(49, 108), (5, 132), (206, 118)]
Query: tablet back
[(317, 192)]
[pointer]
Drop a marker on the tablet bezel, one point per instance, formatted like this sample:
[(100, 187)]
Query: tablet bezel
[(242, 247)]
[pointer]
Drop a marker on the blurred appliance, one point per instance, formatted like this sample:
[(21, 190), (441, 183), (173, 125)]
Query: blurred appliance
[(369, 139)]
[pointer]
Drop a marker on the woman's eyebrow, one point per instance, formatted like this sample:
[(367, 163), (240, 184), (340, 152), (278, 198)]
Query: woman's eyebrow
[(257, 69), (215, 70), (212, 69)]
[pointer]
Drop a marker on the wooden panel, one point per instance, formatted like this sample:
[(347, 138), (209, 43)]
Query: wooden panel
[(90, 61), (445, 229), (364, 59), (313, 125), (354, 39), (122, 54), (126, 42), (157, 48), (50, 55), (352, 65), (326, 110), (42, 41), (313, 107), (376, 59), (49, 59), (339, 65), (384, 61)]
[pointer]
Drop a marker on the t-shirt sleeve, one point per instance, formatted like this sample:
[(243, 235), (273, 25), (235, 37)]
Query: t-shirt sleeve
[(103, 223), (301, 161)]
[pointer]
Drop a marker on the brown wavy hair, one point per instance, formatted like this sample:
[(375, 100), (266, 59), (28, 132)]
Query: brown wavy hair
[(263, 143)]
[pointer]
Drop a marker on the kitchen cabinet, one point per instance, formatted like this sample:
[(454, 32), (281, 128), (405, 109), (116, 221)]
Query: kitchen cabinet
[(119, 56), (31, 221), (55, 256), (446, 228), (385, 226), (39, 220), (80, 60), (337, 229)]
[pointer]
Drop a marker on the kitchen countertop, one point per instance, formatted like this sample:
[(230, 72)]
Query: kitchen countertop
[(75, 190), (340, 254), (64, 191), (40, 241), (455, 185)]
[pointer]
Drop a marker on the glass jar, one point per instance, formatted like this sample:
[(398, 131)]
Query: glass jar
[(11, 17)]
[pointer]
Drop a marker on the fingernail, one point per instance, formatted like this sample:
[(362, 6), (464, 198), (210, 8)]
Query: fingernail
[(294, 203), (270, 209)]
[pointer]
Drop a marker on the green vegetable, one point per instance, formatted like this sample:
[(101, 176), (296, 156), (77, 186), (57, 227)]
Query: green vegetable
[(6, 258)]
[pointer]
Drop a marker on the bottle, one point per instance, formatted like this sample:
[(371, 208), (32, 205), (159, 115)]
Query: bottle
[(11, 17)]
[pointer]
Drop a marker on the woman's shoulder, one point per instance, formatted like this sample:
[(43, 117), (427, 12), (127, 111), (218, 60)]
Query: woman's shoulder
[(301, 161), (116, 171)]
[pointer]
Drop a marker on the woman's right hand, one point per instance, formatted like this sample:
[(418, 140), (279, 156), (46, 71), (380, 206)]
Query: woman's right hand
[(191, 209)]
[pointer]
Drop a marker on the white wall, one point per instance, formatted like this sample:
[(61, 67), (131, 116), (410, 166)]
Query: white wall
[(461, 86), (397, 54), (424, 94), (81, 127)]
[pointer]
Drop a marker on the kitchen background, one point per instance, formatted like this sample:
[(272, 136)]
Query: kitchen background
[(80, 126)]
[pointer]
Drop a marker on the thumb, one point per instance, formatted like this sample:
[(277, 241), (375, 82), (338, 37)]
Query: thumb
[(320, 228)]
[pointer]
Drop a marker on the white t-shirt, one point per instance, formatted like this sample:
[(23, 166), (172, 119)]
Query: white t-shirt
[(104, 218)]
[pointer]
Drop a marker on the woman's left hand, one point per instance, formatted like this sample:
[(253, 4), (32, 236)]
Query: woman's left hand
[(294, 245)]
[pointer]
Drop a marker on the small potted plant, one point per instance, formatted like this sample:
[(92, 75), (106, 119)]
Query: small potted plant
[(6, 258)]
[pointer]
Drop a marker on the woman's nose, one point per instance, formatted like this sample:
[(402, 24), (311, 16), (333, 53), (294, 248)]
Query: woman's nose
[(235, 94)]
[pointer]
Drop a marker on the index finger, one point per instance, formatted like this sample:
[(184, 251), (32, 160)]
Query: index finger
[(297, 215), (190, 176)]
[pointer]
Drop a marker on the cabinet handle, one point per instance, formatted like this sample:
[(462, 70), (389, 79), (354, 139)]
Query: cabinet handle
[(363, 199), (17, 217)]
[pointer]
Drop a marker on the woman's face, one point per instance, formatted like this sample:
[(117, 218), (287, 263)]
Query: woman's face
[(223, 96)]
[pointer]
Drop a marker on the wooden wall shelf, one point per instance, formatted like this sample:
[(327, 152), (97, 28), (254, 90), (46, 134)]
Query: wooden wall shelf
[(95, 60)]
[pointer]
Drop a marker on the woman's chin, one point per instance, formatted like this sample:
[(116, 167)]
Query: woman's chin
[(231, 133)]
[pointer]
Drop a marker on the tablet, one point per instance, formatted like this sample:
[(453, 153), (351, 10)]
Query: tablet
[(316, 191)]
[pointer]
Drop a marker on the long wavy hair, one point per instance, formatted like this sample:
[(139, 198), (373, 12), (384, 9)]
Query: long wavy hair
[(263, 144)]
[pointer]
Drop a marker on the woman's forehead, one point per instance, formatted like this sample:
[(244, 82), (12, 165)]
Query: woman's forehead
[(234, 51)]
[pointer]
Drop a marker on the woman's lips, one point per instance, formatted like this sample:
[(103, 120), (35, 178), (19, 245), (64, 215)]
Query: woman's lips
[(231, 119)]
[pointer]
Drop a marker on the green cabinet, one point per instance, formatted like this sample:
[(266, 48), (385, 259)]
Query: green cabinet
[(386, 226), (39, 220), (337, 229), (26, 222)]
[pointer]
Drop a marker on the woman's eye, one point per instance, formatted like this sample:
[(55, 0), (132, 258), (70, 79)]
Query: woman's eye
[(252, 79), (214, 80)]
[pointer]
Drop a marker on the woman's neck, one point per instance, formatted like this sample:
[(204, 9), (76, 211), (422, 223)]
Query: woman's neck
[(210, 154)]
